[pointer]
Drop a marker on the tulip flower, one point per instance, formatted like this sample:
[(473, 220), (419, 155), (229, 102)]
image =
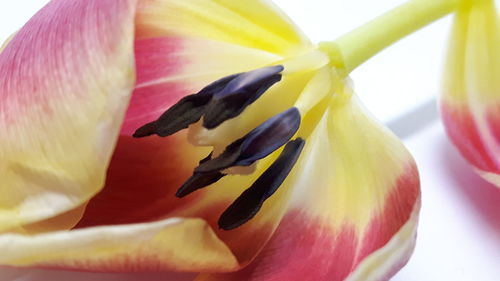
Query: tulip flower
[(203, 136), (470, 104)]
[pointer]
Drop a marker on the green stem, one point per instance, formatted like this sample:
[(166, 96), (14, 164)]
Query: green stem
[(354, 48)]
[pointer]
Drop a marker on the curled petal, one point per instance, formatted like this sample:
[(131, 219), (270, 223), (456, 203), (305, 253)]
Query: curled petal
[(132, 247), (354, 206), (65, 81), (470, 105)]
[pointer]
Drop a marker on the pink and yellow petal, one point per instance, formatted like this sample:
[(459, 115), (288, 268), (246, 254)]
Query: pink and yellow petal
[(254, 24), (182, 46), (471, 135), (389, 259), (354, 206), (470, 104), (66, 77), (164, 245)]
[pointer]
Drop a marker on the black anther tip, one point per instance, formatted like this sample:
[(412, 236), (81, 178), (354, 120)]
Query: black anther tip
[(248, 204), (198, 181), (146, 130)]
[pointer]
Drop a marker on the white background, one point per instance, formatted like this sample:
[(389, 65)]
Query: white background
[(459, 234)]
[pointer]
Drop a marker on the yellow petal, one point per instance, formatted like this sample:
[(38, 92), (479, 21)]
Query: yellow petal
[(170, 244), (253, 23)]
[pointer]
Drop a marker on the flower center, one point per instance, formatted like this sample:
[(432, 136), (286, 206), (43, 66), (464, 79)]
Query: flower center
[(217, 103)]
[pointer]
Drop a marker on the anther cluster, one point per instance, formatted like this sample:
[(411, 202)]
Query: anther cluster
[(218, 102)]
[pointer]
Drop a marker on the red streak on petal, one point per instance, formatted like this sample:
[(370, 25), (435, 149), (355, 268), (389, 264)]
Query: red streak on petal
[(494, 121), (141, 182), (157, 58), (398, 209), (148, 103), (464, 133)]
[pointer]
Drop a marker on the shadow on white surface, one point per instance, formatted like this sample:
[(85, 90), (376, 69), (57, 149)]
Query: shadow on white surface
[(415, 119), (483, 196), (458, 236)]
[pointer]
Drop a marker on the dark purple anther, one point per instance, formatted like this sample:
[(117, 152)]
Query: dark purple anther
[(224, 99), (251, 200), (257, 144)]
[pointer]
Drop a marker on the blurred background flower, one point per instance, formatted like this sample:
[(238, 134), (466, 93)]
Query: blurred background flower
[(470, 104)]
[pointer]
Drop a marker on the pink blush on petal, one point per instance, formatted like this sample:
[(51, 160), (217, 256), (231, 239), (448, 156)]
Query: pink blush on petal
[(148, 103), (158, 58), (157, 63), (50, 58), (464, 133)]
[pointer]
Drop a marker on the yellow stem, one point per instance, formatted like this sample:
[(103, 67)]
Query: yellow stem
[(352, 49)]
